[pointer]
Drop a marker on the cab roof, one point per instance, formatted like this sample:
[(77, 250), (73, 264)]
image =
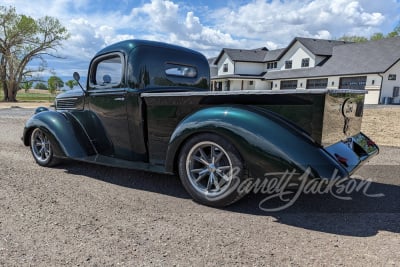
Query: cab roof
[(127, 45)]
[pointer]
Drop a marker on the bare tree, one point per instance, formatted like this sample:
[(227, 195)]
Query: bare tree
[(23, 39)]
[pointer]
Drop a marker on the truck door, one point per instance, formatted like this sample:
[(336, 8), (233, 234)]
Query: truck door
[(107, 101)]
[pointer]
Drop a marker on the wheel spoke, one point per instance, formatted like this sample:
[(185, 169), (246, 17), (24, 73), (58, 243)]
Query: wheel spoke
[(212, 154), (223, 175), (42, 153), (203, 155), (223, 168), (201, 160), (197, 170), (40, 136), (219, 157), (201, 176), (210, 181), (216, 184)]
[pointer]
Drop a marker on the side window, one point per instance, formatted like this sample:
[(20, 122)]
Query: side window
[(107, 71), (180, 70)]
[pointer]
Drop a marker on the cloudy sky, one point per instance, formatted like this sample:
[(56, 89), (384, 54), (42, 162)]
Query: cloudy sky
[(205, 25)]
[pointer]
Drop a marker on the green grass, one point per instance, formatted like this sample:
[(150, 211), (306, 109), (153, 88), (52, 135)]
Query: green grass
[(32, 96)]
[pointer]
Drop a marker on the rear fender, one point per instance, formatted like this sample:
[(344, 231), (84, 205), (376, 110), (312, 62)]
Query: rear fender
[(70, 139), (267, 142)]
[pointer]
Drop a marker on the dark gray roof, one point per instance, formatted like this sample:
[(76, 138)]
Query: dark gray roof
[(353, 58), (211, 60), (245, 55), (254, 55), (273, 55), (319, 47)]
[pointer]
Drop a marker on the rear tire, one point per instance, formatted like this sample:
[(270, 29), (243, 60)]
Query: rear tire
[(42, 148), (211, 170)]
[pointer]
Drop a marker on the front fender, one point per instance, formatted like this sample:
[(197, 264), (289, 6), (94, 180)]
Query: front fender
[(71, 142), (267, 142)]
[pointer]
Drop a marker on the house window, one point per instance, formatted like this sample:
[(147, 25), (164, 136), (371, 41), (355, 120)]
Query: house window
[(251, 82), (305, 62), (272, 65), (288, 64), (317, 83), (396, 91), (225, 67), (392, 77), (289, 84), (358, 82)]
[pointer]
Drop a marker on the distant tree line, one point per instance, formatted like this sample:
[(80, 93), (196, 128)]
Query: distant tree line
[(53, 84), (373, 37)]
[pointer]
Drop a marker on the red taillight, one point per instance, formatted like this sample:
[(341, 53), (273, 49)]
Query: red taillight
[(341, 159), (370, 143)]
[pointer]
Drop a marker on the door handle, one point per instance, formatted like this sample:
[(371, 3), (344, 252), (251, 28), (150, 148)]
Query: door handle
[(119, 98)]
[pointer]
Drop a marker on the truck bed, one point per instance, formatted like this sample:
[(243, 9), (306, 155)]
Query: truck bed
[(327, 116)]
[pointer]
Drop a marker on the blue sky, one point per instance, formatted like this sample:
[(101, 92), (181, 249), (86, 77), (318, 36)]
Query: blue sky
[(204, 25)]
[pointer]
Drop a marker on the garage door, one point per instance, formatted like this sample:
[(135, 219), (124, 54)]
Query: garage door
[(358, 82)]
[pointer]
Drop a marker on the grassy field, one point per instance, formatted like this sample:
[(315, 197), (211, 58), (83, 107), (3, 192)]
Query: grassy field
[(33, 95)]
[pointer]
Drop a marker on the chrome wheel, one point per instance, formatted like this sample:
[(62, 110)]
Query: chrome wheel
[(209, 169), (41, 147)]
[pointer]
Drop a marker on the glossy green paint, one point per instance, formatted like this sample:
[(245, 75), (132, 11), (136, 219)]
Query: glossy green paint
[(63, 133), (265, 140)]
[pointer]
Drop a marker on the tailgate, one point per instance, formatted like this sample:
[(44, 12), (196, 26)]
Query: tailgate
[(342, 117), (341, 132)]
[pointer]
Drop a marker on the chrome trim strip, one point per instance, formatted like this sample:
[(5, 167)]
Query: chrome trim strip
[(258, 92)]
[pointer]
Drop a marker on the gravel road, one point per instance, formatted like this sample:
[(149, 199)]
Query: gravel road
[(82, 214)]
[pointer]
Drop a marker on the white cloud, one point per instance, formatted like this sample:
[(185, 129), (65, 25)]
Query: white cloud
[(281, 21), (162, 18), (243, 24)]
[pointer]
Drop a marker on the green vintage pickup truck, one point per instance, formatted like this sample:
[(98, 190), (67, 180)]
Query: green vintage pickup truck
[(147, 105)]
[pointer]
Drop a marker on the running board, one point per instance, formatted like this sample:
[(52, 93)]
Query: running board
[(120, 163)]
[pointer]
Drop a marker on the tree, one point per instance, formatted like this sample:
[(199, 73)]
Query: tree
[(26, 85), (71, 83), (377, 36), (395, 32), (353, 38), (23, 39), (40, 86), (54, 83)]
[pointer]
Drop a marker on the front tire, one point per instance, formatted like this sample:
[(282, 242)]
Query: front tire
[(42, 148), (211, 170)]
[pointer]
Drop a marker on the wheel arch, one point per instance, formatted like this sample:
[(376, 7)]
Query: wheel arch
[(266, 141), (63, 131)]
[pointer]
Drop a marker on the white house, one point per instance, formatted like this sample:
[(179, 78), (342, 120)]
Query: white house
[(314, 63)]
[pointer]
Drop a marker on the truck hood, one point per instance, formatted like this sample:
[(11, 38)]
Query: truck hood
[(70, 93)]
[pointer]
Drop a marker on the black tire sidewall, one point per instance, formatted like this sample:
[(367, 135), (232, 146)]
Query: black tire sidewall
[(51, 161), (229, 196)]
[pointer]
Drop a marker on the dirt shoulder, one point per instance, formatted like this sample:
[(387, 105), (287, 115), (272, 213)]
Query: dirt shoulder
[(4, 105), (382, 124)]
